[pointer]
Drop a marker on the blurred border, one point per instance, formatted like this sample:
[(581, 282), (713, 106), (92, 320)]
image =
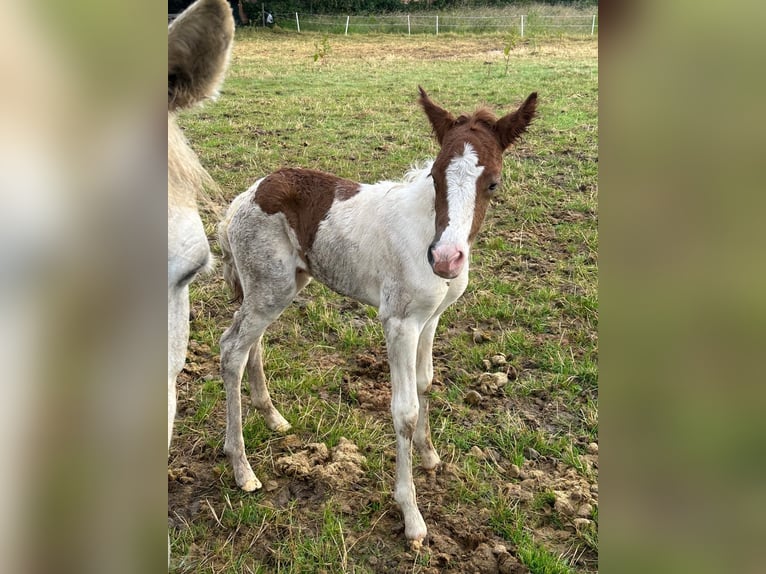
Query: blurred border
[(681, 286), (82, 340), (82, 236)]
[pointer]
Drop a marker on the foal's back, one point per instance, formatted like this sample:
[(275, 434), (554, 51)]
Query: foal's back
[(355, 238)]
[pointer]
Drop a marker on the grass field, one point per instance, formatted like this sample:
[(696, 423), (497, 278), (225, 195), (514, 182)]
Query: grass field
[(518, 490)]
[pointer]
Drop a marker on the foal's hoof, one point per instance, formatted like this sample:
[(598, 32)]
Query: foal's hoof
[(415, 531), (430, 462), (247, 480), (276, 422), (251, 485), (282, 427)]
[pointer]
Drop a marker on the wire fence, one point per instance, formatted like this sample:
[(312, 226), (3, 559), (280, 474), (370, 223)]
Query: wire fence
[(523, 24)]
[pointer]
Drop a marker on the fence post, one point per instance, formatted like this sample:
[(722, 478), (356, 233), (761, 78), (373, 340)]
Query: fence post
[(347, 19), (437, 24), (297, 22), (263, 15), (593, 25), (409, 30), (522, 25)]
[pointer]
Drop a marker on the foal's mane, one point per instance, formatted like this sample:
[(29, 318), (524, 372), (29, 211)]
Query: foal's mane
[(418, 173), (481, 116), (418, 176)]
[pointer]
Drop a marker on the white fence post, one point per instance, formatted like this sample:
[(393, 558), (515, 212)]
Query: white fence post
[(593, 25), (522, 25), (297, 22), (409, 30), (347, 19), (437, 24)]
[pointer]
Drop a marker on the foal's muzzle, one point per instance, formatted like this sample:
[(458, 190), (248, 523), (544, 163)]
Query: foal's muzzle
[(446, 260)]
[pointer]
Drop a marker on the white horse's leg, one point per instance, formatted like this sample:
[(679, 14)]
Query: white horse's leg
[(235, 347), (401, 342), (259, 393), (171, 408), (429, 458)]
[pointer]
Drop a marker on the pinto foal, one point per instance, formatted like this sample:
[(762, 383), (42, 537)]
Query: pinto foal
[(401, 247)]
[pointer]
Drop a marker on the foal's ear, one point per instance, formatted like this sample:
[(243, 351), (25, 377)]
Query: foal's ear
[(441, 120), (199, 45), (511, 126)]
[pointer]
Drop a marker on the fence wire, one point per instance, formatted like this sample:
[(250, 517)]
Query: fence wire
[(524, 25)]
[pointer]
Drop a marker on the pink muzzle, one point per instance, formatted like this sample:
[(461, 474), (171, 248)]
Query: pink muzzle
[(446, 260)]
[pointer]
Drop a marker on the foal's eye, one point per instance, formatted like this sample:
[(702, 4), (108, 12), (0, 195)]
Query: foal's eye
[(493, 187)]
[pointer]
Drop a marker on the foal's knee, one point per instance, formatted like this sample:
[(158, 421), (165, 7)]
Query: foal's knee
[(228, 343), (231, 340), (424, 385), (227, 348), (405, 419)]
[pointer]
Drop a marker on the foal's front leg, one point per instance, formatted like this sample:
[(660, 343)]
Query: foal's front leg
[(429, 458), (401, 342)]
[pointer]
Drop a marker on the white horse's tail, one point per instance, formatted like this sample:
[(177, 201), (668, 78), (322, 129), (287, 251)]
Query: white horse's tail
[(230, 273)]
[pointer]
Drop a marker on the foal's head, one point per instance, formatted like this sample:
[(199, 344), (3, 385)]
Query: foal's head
[(466, 174)]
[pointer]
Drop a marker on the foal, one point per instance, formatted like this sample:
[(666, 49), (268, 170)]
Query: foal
[(402, 247)]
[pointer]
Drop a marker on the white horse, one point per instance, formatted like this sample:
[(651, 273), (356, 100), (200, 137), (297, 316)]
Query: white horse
[(401, 247), (199, 47)]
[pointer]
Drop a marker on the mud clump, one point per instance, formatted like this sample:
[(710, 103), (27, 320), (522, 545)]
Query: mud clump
[(335, 467), (491, 384), (497, 560)]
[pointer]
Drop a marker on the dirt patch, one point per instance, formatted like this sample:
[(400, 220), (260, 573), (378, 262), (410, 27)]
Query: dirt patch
[(366, 382), (336, 467), (190, 483), (488, 49), (308, 477)]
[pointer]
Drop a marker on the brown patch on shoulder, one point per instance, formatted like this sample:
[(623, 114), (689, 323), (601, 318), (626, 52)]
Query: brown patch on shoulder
[(304, 196)]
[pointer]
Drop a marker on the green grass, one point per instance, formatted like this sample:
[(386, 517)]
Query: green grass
[(533, 293), (511, 523)]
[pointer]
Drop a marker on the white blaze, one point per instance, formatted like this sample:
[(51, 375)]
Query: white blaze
[(461, 175)]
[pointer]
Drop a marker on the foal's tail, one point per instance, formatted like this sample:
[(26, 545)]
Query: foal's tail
[(230, 273)]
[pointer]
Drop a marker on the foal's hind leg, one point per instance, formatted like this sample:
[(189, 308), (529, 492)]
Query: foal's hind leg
[(263, 303), (259, 393), (235, 347)]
